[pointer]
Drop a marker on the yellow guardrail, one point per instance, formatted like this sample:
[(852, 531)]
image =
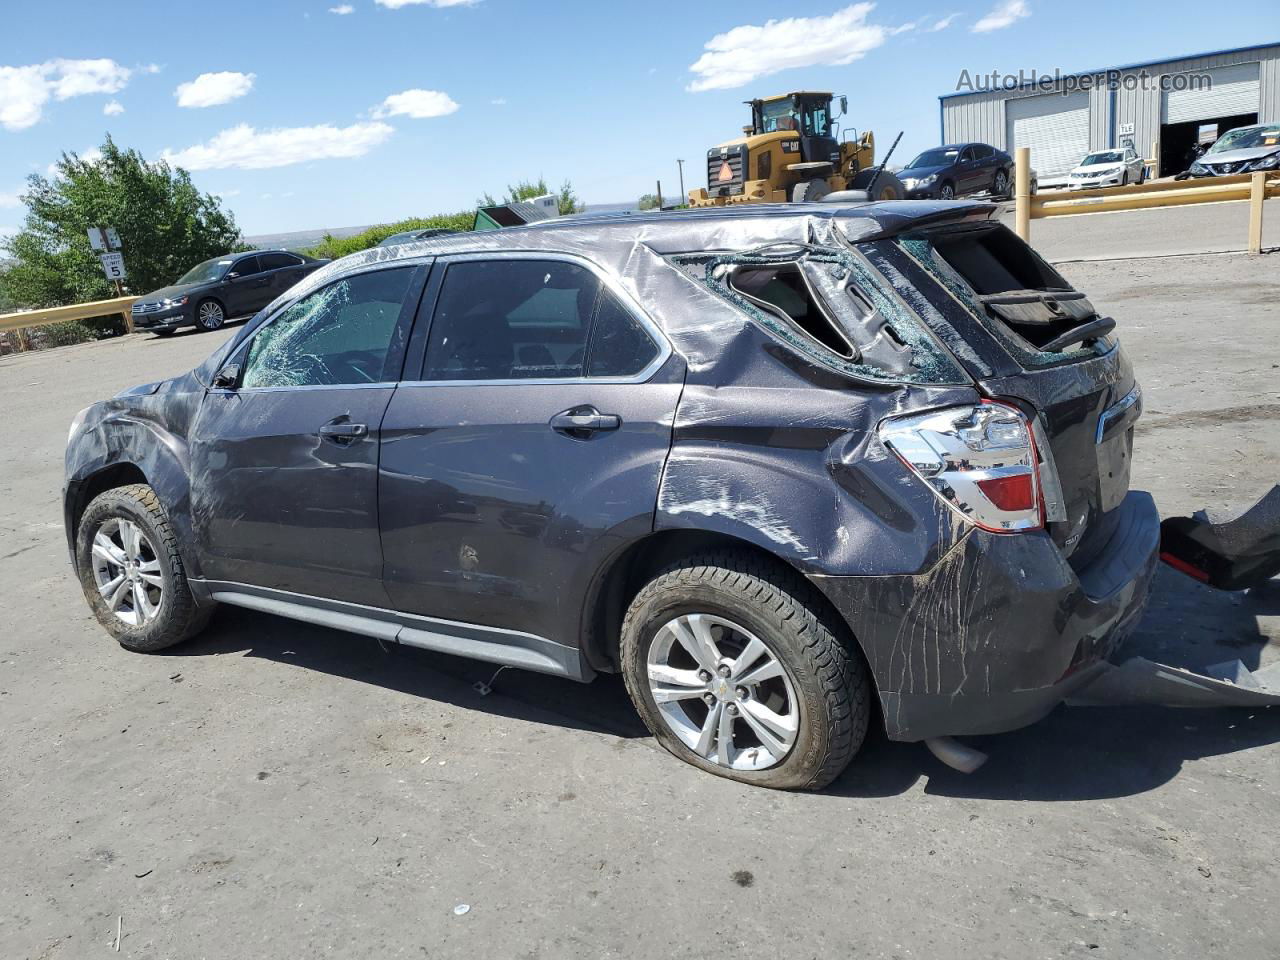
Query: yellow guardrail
[(1253, 187), (76, 311)]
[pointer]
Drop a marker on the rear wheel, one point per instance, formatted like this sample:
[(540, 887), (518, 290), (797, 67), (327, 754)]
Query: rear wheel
[(734, 668), (887, 186), (1000, 184), (809, 191), (132, 575), (210, 315)]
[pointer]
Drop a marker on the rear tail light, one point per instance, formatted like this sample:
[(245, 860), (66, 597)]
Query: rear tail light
[(981, 460)]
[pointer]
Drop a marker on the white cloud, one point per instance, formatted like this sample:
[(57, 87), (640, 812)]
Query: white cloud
[(9, 200), (499, 101), (113, 108), (224, 194), (245, 148), (151, 68), (1002, 15), (944, 22), (419, 104), (743, 54), (24, 91), (397, 4), (342, 9), (213, 89)]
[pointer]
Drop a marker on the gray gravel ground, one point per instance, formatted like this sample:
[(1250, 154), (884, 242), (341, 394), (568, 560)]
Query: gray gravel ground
[(278, 790)]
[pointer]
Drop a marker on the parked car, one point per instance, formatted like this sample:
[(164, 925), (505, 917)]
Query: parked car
[(409, 236), (217, 290), (876, 451), (1242, 150), (958, 170), (1108, 168)]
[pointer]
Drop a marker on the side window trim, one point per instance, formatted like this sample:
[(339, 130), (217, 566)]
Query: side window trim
[(607, 282), (396, 356)]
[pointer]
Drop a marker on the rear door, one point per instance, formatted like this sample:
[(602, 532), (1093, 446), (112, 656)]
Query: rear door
[(284, 269), (529, 449), (1007, 305)]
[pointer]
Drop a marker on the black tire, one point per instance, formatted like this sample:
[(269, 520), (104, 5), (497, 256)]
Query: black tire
[(1124, 179), (810, 191), (1000, 185), (829, 678), (178, 616), (166, 333), (947, 191), (888, 186), (215, 311)]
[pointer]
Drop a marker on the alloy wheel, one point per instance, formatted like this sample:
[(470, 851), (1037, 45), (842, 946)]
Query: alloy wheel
[(723, 692), (126, 571), (947, 192), (1001, 184), (210, 315)]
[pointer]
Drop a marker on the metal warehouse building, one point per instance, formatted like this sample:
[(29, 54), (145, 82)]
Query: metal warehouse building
[(1162, 109)]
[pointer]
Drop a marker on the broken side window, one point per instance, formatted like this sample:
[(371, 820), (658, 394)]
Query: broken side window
[(1034, 311), (829, 306)]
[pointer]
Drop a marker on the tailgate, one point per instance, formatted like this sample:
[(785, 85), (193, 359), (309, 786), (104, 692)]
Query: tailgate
[(1033, 339)]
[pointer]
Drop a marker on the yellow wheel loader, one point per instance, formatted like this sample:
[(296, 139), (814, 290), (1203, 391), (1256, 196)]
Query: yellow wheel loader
[(790, 154)]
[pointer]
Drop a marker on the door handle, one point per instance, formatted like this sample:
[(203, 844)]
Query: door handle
[(582, 422), (343, 432)]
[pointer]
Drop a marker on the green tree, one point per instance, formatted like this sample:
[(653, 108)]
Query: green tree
[(166, 226), (526, 189), (648, 202)]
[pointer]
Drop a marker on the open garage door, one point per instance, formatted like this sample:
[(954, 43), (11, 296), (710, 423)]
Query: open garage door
[(1233, 90), (1056, 128), (1190, 120)]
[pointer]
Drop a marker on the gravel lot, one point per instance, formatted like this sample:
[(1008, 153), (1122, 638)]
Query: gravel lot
[(278, 790)]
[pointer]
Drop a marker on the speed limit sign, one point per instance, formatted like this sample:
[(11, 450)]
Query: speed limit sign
[(113, 265)]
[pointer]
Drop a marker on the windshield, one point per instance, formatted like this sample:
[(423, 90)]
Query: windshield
[(777, 115), (1243, 138), (942, 157), (1107, 156), (206, 272)]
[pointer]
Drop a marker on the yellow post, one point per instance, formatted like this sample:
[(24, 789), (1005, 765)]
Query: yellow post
[(1257, 193), (1022, 193), (1155, 159)]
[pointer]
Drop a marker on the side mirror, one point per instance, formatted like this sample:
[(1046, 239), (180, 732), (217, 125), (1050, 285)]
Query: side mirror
[(232, 275), (844, 106), (228, 377)]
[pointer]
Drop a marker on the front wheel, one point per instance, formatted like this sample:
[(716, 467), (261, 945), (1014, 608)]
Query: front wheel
[(132, 575), (946, 192), (210, 315), (734, 667)]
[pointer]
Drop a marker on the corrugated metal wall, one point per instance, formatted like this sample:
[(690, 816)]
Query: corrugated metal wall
[(981, 116)]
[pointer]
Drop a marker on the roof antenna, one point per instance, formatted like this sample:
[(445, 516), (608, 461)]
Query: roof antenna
[(871, 185)]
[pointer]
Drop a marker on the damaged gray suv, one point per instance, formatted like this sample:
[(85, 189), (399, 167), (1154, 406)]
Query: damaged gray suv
[(790, 470)]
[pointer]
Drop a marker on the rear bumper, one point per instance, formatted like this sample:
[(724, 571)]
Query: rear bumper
[(1001, 630)]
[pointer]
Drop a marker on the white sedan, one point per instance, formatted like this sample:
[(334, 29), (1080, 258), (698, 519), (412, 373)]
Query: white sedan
[(1108, 168)]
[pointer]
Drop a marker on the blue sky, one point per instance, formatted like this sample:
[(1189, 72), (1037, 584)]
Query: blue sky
[(326, 113)]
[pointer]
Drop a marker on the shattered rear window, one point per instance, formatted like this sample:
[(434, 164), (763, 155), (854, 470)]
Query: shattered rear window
[(828, 305), (1019, 297)]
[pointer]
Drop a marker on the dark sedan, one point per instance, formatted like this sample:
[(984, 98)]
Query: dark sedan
[(210, 293), (958, 170)]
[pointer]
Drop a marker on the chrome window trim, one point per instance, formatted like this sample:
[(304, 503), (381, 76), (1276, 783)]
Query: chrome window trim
[(610, 283)]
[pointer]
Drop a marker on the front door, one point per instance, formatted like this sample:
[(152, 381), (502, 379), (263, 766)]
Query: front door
[(246, 289), (531, 448), (284, 463)]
